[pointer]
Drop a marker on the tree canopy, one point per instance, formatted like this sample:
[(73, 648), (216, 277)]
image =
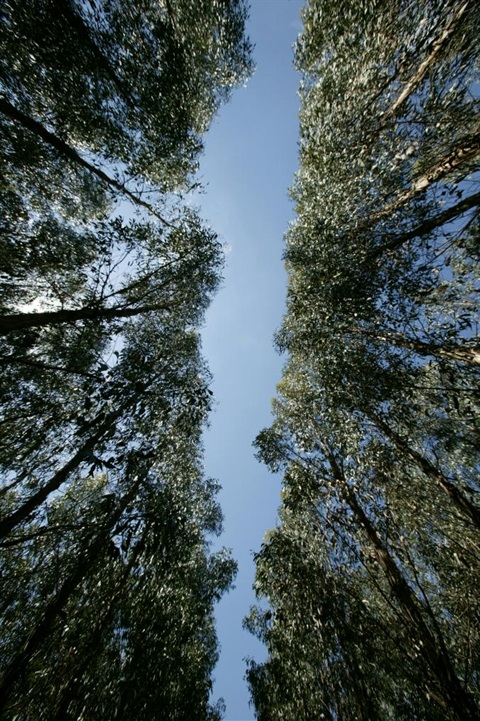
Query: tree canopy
[(108, 579), (371, 574)]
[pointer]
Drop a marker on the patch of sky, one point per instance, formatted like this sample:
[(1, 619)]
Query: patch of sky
[(249, 163)]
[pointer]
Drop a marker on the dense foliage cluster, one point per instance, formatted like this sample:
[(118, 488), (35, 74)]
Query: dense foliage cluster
[(372, 574), (107, 582)]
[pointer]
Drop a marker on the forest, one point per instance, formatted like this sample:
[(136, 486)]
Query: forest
[(108, 580), (368, 585), (372, 575)]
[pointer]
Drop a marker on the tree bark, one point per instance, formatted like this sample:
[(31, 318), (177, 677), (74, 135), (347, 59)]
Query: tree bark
[(20, 321), (438, 46), (8, 523), (70, 691), (40, 365), (468, 150), (451, 695), (460, 353), (64, 7)]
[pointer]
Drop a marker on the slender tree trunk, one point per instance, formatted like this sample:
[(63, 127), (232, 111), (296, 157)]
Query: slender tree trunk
[(42, 629), (451, 695), (427, 226), (33, 363), (172, 18), (71, 691), (457, 701), (65, 8), (67, 151), (437, 47), (8, 523), (461, 353), (467, 151), (467, 509), (20, 321)]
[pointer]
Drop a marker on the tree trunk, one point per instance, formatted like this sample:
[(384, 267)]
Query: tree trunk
[(438, 46), (457, 701), (452, 351), (20, 321), (427, 226), (40, 365), (467, 509), (40, 633), (451, 695), (68, 152), (64, 7), (8, 523), (467, 151), (70, 691)]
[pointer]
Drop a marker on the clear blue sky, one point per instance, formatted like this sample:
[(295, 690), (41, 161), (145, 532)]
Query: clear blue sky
[(249, 163)]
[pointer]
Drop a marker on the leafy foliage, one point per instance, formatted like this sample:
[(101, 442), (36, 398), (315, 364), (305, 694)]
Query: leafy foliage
[(371, 574), (108, 581)]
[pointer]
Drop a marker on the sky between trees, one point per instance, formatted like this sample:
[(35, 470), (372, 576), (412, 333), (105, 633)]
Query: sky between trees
[(367, 586)]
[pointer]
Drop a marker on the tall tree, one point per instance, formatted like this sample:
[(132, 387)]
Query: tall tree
[(108, 582), (376, 417)]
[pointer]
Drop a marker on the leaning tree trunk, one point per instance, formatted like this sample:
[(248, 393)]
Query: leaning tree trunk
[(450, 694), (427, 226), (41, 631), (10, 111), (462, 503), (20, 321), (8, 523)]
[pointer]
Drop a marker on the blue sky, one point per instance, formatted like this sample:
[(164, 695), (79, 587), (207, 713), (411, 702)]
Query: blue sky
[(249, 163)]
